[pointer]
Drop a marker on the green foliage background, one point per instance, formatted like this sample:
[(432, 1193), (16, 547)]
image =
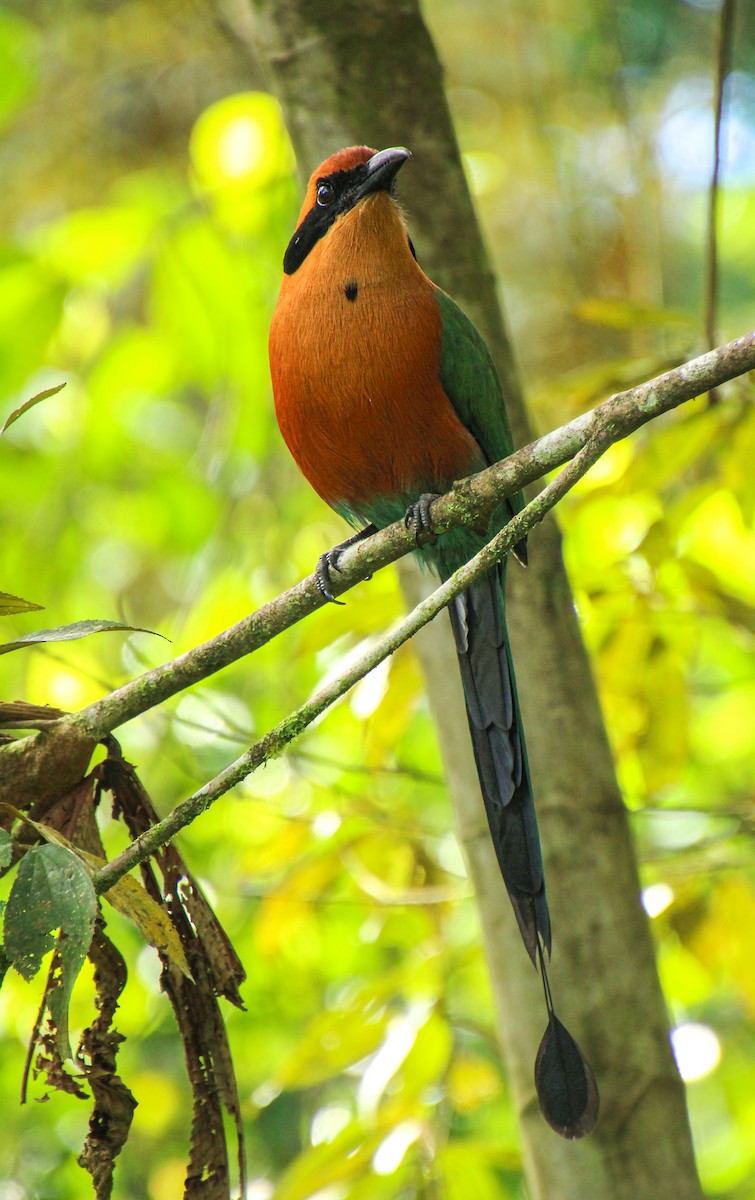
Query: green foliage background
[(148, 194)]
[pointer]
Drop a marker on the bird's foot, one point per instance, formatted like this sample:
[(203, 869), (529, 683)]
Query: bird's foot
[(419, 520), (328, 562)]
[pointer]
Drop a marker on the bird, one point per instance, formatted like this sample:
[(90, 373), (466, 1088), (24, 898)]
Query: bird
[(386, 394)]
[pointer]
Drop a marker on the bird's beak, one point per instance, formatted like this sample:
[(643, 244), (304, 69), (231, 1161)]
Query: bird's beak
[(382, 169)]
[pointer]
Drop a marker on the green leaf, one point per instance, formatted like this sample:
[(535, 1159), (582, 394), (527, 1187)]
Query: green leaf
[(98, 245), (5, 962), (6, 848), (69, 633), (127, 897), (19, 412), (52, 891), (14, 604)]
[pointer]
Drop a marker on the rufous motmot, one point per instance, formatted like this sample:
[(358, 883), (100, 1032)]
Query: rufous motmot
[(385, 393)]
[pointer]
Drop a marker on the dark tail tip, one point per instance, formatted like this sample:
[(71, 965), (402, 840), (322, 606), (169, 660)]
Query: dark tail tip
[(566, 1087)]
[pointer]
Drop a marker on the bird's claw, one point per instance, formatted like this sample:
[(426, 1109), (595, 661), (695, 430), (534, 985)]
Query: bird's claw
[(418, 518), (326, 564)]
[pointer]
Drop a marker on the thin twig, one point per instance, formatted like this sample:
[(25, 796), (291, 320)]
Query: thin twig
[(468, 503), (726, 27), (26, 764), (291, 726)]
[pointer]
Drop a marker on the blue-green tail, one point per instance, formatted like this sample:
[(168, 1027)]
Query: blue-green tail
[(495, 723), (565, 1085)]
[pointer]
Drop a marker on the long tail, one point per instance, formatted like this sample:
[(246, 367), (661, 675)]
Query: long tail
[(565, 1084)]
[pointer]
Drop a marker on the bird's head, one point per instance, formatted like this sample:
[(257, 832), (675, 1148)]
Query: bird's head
[(339, 186)]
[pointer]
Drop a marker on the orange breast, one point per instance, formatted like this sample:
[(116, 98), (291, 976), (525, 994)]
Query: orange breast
[(355, 364)]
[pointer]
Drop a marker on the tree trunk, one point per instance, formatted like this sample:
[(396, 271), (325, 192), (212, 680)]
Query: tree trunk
[(351, 71)]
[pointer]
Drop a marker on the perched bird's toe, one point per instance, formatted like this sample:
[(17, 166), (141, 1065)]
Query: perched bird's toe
[(419, 520), (326, 564)]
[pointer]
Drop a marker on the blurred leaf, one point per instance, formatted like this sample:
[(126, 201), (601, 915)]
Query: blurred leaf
[(428, 1058), (98, 245), (69, 633), (17, 73), (331, 1163), (626, 314), (19, 412), (14, 604), (135, 363), (472, 1081), (285, 923), (585, 386), (723, 940), (468, 1168), (716, 535), (31, 304), (332, 1041), (6, 848)]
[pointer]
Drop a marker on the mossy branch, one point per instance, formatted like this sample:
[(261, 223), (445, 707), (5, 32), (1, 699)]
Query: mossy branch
[(586, 438), (582, 441), (467, 504)]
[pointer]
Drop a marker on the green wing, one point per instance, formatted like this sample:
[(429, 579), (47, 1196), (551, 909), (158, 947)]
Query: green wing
[(471, 383)]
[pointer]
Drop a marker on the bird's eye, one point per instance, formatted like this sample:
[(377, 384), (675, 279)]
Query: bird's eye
[(325, 194)]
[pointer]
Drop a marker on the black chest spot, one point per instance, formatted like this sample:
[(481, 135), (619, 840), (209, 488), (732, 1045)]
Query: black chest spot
[(351, 289)]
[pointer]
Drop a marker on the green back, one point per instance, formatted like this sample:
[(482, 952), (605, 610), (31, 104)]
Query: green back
[(471, 383)]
